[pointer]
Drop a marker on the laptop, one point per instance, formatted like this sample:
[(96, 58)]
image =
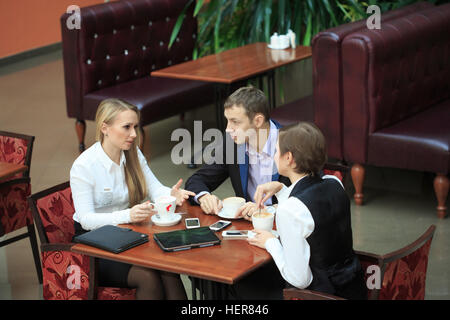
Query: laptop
[(186, 239), (112, 238)]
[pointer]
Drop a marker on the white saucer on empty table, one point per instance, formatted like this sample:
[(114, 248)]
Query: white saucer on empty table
[(171, 219), (278, 47)]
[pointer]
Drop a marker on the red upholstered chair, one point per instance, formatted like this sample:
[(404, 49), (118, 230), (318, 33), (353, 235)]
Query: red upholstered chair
[(14, 210), (112, 54), (402, 273), (325, 106), (53, 210), (337, 170)]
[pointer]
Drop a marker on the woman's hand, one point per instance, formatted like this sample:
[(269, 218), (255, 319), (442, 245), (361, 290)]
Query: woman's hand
[(260, 238), (266, 191), (141, 212), (247, 211), (180, 194)]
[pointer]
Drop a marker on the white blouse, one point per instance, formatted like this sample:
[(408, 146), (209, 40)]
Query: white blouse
[(294, 225), (99, 190)]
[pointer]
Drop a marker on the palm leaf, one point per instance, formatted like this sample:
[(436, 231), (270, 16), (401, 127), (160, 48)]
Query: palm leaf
[(176, 28)]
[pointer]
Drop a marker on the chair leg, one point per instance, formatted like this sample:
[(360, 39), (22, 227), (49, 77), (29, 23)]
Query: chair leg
[(80, 128), (441, 185), (35, 249), (357, 173)]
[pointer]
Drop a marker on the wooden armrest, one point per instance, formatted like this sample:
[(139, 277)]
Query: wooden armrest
[(45, 247)]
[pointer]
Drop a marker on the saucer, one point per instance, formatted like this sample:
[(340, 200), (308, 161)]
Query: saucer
[(171, 220), (223, 215), (278, 47)]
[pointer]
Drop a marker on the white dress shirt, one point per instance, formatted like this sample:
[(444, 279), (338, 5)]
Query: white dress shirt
[(261, 164), (294, 225), (99, 190)]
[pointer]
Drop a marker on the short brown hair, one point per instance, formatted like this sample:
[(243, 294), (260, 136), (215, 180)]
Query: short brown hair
[(307, 144), (251, 99)]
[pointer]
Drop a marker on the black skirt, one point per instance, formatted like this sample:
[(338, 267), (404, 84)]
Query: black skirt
[(110, 273)]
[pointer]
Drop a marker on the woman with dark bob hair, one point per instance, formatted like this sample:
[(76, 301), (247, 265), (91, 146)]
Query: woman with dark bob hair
[(315, 249)]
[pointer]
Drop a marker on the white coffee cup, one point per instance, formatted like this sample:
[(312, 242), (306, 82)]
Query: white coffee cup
[(284, 41), (263, 220), (165, 205), (275, 40), (232, 204)]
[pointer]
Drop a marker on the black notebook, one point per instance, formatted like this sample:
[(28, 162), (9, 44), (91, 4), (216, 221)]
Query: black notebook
[(186, 239), (112, 238)]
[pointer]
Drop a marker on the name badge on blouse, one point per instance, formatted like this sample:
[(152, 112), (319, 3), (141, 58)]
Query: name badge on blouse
[(104, 198)]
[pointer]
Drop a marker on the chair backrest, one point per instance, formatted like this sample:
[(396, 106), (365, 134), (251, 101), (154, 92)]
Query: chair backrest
[(336, 170), (402, 272), (327, 76), (16, 148), (392, 74), (53, 211), (119, 42)]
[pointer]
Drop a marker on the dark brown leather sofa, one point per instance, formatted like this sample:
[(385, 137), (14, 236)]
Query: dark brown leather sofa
[(112, 54), (396, 92), (325, 106)]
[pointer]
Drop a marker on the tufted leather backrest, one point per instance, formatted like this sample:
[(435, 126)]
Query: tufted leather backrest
[(122, 41), (392, 73), (327, 75)]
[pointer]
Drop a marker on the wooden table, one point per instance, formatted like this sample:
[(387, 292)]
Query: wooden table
[(234, 65), (222, 264), (10, 169)]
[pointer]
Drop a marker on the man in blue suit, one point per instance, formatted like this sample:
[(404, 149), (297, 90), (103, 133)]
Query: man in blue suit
[(247, 160)]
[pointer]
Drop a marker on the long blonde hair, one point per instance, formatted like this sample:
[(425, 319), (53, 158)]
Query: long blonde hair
[(106, 113)]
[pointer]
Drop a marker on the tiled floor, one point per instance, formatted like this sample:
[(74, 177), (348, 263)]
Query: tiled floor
[(399, 207)]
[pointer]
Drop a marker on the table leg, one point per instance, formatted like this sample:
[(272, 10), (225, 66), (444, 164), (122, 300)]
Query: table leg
[(209, 290), (271, 88), (93, 268)]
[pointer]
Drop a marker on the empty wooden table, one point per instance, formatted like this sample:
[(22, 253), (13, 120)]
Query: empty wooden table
[(10, 169), (222, 264), (235, 65)]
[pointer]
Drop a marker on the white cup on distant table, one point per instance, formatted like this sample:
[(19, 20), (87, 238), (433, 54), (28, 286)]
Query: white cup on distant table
[(231, 205), (283, 41), (263, 220), (275, 40), (165, 205)]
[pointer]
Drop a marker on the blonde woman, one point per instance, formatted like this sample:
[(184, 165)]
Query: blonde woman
[(110, 183)]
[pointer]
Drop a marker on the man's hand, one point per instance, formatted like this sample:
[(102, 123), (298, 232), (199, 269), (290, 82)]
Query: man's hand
[(210, 204)]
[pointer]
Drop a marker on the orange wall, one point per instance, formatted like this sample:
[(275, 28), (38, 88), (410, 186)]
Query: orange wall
[(30, 24)]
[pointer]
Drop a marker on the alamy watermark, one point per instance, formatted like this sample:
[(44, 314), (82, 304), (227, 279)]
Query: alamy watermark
[(374, 21), (74, 20)]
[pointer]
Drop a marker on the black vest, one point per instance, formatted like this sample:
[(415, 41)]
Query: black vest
[(333, 263)]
